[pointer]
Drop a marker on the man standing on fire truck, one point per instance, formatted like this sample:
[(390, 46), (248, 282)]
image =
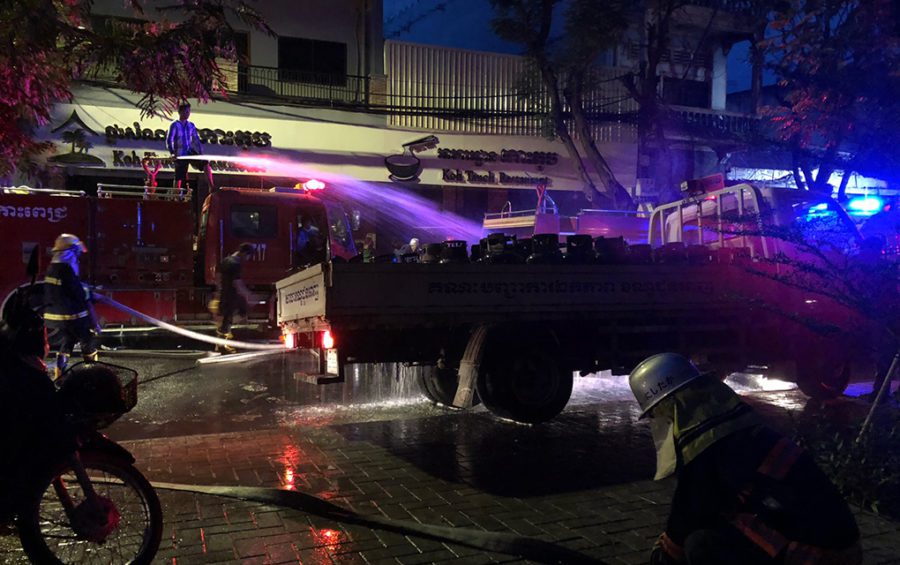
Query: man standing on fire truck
[(233, 295), (183, 140), (746, 495), (69, 308)]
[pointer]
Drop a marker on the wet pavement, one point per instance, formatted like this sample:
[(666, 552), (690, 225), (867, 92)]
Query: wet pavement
[(373, 445)]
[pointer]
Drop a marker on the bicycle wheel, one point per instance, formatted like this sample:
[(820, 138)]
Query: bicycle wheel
[(124, 527)]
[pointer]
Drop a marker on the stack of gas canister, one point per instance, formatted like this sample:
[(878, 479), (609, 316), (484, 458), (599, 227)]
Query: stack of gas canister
[(578, 249)]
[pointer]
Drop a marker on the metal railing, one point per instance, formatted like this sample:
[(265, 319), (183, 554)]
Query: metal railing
[(700, 122), (740, 7), (144, 192), (316, 88), (479, 102)]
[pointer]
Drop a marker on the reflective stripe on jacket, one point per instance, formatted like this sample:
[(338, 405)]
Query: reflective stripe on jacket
[(776, 465), (66, 298)]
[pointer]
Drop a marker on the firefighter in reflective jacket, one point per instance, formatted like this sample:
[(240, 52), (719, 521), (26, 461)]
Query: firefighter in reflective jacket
[(69, 308), (745, 494)]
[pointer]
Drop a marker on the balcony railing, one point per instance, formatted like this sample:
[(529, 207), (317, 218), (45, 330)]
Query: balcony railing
[(740, 7), (480, 107), (713, 124), (313, 88)]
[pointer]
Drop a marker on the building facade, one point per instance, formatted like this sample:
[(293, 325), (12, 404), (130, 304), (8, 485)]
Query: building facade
[(327, 96)]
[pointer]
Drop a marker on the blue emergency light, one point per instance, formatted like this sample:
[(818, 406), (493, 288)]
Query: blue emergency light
[(865, 206)]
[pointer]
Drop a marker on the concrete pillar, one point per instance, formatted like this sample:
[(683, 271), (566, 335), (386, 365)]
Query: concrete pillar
[(719, 79)]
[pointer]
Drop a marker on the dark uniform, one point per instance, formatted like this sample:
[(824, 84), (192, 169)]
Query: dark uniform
[(69, 312), (230, 300), (746, 494), (755, 497), (33, 432)]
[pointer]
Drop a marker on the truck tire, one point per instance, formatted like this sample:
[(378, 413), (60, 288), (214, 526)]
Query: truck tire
[(439, 385), (524, 384), (820, 379)]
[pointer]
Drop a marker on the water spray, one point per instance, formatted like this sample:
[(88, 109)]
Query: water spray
[(400, 205)]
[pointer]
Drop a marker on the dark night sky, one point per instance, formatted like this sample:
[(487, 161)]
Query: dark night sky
[(465, 24)]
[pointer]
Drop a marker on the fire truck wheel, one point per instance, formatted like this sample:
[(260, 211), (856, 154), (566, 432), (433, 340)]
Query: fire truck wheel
[(822, 379), (439, 385), (525, 384)]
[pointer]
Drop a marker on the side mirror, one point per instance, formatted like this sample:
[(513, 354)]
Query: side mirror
[(355, 217)]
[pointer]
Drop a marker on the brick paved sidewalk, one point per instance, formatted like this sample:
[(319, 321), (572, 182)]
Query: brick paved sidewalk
[(565, 483)]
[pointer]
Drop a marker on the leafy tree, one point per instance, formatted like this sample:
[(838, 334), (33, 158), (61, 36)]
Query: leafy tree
[(46, 45), (836, 62), (74, 136), (563, 75), (643, 85)]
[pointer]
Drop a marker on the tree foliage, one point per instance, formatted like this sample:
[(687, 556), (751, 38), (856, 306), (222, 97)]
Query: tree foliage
[(166, 56), (836, 62), (563, 39)]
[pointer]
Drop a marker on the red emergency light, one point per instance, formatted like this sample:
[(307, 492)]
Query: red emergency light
[(327, 340), (704, 185), (310, 185)]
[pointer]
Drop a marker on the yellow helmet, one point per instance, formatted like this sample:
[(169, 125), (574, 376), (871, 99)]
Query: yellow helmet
[(67, 241)]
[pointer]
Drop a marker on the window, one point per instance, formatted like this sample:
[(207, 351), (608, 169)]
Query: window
[(253, 221), (310, 60), (683, 92)]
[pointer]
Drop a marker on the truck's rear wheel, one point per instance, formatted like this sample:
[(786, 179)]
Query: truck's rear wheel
[(526, 385), (439, 385), (823, 367), (817, 378)]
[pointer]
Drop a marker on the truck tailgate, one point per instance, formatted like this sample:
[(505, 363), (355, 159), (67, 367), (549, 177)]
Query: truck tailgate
[(301, 296)]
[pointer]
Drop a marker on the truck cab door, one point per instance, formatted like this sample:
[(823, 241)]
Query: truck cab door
[(259, 223)]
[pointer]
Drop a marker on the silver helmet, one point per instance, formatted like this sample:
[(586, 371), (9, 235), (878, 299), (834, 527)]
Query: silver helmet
[(658, 376)]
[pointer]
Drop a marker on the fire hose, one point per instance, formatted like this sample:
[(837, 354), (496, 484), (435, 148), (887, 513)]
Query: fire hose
[(187, 333), (501, 542)]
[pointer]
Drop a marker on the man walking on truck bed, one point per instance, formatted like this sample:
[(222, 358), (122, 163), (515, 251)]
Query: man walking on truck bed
[(233, 296), (746, 494), (69, 308)]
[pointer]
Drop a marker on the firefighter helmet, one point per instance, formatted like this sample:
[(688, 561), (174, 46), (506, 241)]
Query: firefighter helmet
[(658, 376), (67, 241)]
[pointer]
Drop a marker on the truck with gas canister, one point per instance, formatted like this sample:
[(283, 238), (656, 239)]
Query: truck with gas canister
[(513, 332), (147, 249)]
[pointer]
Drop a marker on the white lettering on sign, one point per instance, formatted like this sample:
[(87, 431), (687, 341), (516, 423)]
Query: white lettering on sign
[(259, 253), (53, 215)]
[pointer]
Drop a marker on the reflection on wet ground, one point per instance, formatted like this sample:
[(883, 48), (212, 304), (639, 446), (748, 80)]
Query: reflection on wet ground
[(179, 397), (509, 459)]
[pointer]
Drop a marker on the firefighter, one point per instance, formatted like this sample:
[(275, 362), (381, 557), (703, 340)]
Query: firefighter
[(309, 243), (233, 296), (745, 494), (69, 306)]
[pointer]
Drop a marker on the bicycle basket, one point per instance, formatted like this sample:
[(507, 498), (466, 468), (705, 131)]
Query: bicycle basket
[(98, 393)]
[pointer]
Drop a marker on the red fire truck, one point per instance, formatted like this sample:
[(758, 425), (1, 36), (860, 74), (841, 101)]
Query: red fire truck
[(147, 251)]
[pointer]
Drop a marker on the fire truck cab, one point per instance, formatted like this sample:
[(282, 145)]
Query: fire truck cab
[(271, 220), (145, 252)]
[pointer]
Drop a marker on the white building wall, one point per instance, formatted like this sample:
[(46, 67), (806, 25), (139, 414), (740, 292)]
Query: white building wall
[(326, 20)]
